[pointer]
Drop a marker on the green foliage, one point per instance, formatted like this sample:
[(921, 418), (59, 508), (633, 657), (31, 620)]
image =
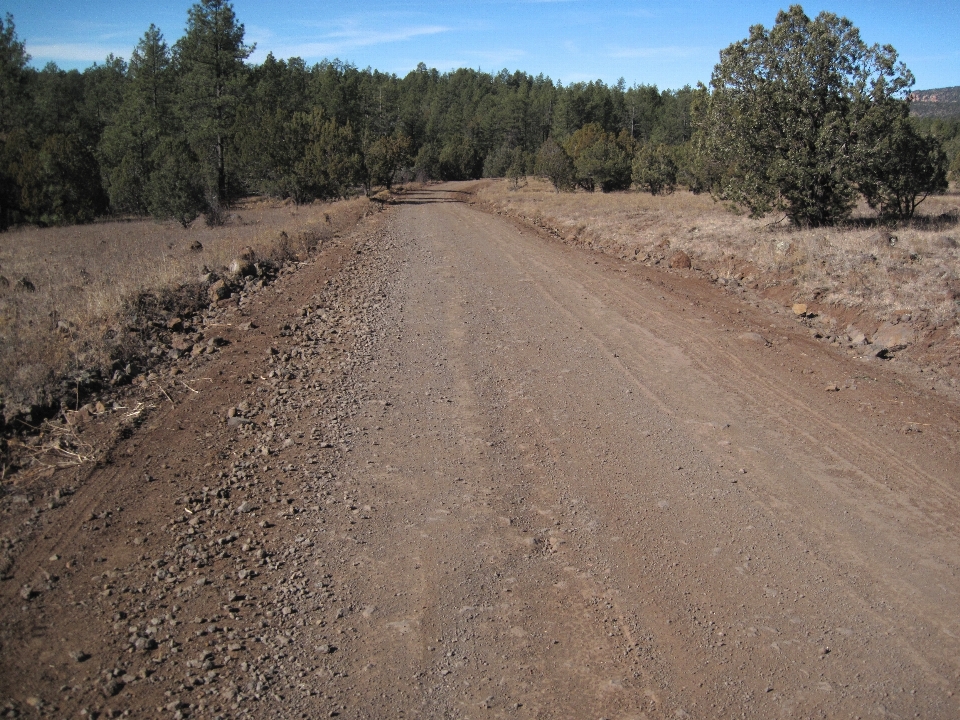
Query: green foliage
[(786, 112), (174, 189), (460, 159), (55, 182), (584, 104), (427, 163), (140, 124), (270, 156), (13, 79), (599, 158), (13, 82), (385, 157), (553, 163), (274, 129), (210, 59), (289, 130), (655, 170), (103, 87), (947, 132), (333, 163), (693, 172), (517, 170), (898, 168)]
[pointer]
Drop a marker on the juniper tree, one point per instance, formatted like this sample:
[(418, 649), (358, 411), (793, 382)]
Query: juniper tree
[(791, 116), (553, 163)]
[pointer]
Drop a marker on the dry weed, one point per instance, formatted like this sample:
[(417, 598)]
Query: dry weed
[(76, 299)]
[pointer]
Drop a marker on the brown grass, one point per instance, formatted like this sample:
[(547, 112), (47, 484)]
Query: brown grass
[(849, 271), (95, 285)]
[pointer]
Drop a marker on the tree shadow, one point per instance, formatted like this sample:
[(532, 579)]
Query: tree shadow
[(941, 221), (427, 197)]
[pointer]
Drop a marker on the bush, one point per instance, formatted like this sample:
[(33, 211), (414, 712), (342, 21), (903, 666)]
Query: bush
[(460, 160), (553, 163), (899, 167), (599, 159), (175, 189), (654, 170)]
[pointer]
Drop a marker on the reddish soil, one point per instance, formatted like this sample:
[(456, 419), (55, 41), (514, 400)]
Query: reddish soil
[(451, 468)]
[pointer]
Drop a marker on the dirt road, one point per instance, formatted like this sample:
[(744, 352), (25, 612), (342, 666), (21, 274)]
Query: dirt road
[(482, 474)]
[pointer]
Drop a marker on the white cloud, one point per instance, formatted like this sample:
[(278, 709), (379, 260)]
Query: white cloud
[(363, 38), (74, 52), (341, 42)]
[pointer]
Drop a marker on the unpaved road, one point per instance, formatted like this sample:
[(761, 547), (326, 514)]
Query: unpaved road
[(481, 474)]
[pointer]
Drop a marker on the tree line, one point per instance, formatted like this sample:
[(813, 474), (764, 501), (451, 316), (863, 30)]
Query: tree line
[(182, 129)]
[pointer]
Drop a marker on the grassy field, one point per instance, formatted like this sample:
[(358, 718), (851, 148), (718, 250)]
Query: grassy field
[(77, 303), (858, 274)]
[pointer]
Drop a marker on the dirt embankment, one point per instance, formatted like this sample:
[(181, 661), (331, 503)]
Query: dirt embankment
[(121, 298), (448, 468)]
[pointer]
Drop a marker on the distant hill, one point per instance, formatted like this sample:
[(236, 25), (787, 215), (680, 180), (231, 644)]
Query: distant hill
[(941, 102)]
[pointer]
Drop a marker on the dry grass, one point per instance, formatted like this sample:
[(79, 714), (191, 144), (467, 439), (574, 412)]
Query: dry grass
[(859, 270), (93, 284)]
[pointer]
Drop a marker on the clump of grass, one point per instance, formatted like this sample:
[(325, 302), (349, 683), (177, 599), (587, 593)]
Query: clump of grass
[(78, 302), (878, 274)]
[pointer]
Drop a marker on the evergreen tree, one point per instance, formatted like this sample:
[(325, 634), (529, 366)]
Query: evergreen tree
[(210, 60), (13, 93), (385, 157), (553, 163), (174, 189), (600, 159), (103, 87), (787, 112), (273, 129), (654, 170), (145, 118), (897, 167), (59, 182), (333, 163)]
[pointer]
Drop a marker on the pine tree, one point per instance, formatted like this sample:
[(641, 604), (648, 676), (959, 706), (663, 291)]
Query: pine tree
[(210, 59), (13, 63), (144, 119), (654, 169)]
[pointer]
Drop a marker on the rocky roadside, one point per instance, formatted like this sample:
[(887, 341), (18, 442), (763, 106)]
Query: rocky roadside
[(196, 570)]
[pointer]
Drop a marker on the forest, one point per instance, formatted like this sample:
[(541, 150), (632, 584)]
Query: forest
[(181, 129)]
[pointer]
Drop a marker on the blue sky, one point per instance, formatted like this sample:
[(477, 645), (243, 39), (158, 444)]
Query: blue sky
[(669, 44)]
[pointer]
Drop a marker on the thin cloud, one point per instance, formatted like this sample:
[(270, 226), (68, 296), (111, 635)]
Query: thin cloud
[(344, 41), (73, 52), (364, 38)]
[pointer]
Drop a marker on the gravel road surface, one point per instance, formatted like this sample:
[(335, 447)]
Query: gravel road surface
[(452, 469)]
